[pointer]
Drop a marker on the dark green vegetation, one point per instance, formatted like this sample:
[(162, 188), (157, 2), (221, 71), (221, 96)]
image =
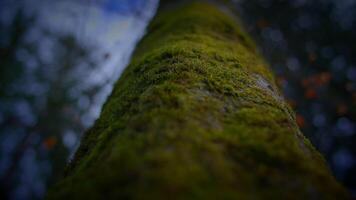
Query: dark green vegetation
[(196, 115)]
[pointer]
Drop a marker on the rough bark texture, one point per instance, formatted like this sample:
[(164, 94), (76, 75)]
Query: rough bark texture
[(196, 115)]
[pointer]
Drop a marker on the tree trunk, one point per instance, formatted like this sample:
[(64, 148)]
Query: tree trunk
[(196, 115)]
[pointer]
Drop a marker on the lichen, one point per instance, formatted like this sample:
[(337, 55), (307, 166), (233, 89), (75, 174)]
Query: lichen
[(196, 115)]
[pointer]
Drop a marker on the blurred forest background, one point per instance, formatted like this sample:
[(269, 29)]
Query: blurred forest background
[(59, 60)]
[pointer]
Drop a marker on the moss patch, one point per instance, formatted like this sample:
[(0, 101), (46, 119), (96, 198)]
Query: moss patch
[(196, 115)]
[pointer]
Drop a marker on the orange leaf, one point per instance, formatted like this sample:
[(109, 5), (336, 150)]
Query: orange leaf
[(300, 120), (50, 142), (342, 109), (292, 103), (262, 23), (310, 94)]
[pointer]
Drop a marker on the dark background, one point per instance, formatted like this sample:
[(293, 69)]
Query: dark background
[(311, 47)]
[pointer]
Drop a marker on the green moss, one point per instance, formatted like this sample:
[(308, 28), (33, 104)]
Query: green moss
[(196, 115)]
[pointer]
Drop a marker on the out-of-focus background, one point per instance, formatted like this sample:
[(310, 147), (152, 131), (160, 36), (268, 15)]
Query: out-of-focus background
[(311, 47), (58, 63), (59, 60)]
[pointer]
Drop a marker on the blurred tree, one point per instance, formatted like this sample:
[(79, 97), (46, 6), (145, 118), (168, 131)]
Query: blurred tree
[(196, 115), (38, 111)]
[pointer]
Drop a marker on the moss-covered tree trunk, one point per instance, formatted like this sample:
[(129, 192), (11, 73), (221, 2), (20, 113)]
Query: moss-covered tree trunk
[(196, 115)]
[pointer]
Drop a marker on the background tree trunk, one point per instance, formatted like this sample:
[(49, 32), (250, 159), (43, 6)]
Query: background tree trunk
[(196, 115)]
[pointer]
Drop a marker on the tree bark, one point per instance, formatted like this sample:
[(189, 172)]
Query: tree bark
[(196, 115)]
